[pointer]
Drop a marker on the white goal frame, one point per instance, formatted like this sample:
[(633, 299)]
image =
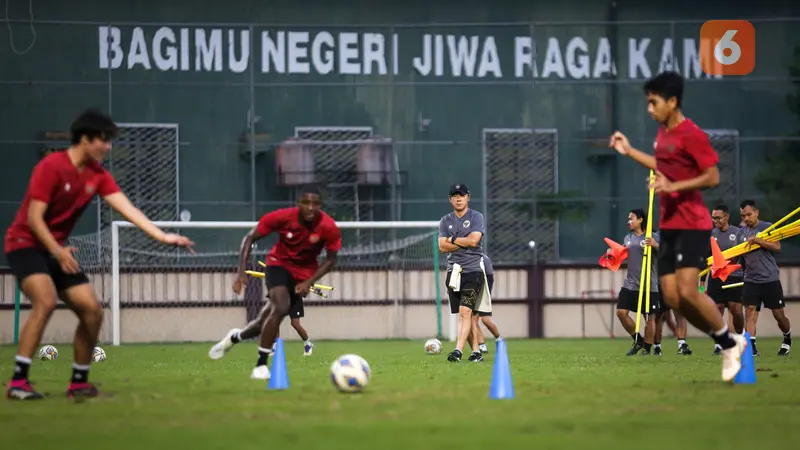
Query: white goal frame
[(117, 224)]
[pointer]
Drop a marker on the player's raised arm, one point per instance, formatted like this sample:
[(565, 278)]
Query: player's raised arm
[(622, 145), (120, 202)]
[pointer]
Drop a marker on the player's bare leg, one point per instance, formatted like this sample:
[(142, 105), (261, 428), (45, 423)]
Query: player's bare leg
[(41, 292), (492, 327), (680, 333), (308, 347), (472, 340), (630, 327), (279, 308), (649, 333), (469, 296), (669, 318), (82, 301), (680, 291), (786, 328), (750, 318), (736, 316), (658, 332), (477, 336), (235, 335)]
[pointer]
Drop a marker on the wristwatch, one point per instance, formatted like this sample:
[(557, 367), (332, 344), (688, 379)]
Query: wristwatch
[(453, 240)]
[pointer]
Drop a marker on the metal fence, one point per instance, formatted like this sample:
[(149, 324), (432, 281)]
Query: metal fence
[(225, 121)]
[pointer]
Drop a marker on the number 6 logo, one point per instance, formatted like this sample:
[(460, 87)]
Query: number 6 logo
[(727, 47)]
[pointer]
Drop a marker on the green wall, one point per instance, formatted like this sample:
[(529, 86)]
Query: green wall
[(64, 71)]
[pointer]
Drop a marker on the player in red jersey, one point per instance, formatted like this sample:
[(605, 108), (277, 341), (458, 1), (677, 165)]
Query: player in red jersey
[(61, 187), (292, 269), (684, 164)]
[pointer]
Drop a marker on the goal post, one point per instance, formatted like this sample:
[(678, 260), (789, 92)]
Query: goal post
[(393, 267)]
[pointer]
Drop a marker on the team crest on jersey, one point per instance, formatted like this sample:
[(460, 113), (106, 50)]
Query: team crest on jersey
[(289, 235), (314, 238), (467, 223), (67, 187), (732, 237), (641, 243)]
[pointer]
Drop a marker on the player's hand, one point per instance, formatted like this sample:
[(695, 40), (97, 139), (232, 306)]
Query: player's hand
[(302, 289), (620, 143), (67, 261), (752, 240), (239, 284), (650, 242), (661, 184), (178, 241)]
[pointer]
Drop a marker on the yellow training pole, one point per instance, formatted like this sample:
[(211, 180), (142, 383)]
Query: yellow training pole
[(644, 277)]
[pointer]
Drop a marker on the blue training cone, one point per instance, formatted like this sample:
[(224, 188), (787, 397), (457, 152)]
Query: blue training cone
[(747, 374), (502, 386), (279, 378)]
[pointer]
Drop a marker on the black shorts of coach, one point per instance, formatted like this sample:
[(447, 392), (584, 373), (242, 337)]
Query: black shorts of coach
[(279, 276), (629, 299), (680, 249), (769, 294), (30, 261), (469, 293), (725, 296)]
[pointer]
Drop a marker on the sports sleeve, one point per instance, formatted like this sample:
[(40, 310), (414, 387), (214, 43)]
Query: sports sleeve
[(43, 182), (333, 242), (478, 224), (699, 147), (442, 228), (108, 185), (269, 223)]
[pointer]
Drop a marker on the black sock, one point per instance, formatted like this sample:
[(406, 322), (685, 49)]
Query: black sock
[(236, 339), (21, 367), (753, 343), (658, 343), (80, 373), (485, 344), (263, 356), (787, 338), (647, 346), (638, 338), (723, 338)]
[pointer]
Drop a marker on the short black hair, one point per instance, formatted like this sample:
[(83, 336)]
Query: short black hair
[(746, 203), (666, 85), (722, 208), (93, 125), (311, 189), (639, 213)]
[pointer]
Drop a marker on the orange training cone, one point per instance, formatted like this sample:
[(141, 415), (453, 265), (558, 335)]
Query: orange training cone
[(721, 267), (613, 259)]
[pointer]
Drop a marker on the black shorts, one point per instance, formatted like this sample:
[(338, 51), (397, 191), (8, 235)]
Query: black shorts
[(469, 293), (725, 296), (29, 261), (279, 276), (629, 300), (681, 249), (770, 294)]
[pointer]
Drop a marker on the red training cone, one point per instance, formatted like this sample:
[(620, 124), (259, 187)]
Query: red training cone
[(721, 267), (614, 258)]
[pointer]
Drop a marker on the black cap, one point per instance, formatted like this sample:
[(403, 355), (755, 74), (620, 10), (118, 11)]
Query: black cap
[(459, 189)]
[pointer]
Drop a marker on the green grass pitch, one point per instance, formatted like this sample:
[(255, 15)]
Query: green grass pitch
[(582, 394)]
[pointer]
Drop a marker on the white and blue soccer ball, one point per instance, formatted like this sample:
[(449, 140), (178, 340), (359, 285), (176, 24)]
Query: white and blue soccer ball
[(433, 346), (99, 355), (350, 373), (48, 353)]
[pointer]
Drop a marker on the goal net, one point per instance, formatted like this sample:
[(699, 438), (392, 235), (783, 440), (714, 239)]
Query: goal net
[(385, 283)]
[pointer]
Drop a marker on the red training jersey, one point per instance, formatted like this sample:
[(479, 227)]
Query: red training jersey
[(298, 245), (684, 153), (67, 192)]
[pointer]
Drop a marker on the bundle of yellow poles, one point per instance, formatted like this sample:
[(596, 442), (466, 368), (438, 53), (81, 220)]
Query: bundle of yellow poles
[(644, 278), (771, 234), (316, 288)]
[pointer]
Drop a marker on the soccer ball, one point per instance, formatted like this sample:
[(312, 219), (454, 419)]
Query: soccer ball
[(433, 346), (99, 355), (350, 373), (48, 353)]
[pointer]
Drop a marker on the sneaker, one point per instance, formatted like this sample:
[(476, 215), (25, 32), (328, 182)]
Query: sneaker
[(454, 356), (308, 348), (634, 349), (732, 358), (260, 373), (657, 351), (82, 390), (22, 390), (476, 357), (684, 350), (224, 346), (785, 349), (483, 348), (717, 350), (645, 352)]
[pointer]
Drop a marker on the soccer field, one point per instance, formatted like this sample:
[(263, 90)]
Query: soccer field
[(582, 394)]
